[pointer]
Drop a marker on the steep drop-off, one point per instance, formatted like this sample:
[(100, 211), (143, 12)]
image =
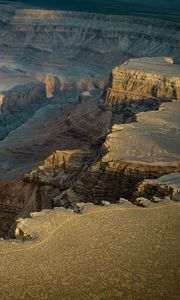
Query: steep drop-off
[(145, 81), (106, 155), (69, 55)]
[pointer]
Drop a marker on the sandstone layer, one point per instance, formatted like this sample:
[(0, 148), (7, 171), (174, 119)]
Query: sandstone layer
[(77, 131), (101, 156), (18, 91), (72, 148), (132, 152), (165, 186), (81, 44), (140, 81)]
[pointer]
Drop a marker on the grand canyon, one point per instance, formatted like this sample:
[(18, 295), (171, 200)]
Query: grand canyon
[(89, 153)]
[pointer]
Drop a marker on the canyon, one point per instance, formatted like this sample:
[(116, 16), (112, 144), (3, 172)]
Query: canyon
[(89, 134)]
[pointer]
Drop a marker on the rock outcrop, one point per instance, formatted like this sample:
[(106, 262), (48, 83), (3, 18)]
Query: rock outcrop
[(148, 148), (145, 81), (53, 85), (102, 155), (165, 186), (76, 44), (22, 96), (60, 169), (18, 90)]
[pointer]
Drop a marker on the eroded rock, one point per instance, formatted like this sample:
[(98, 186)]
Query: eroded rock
[(146, 81), (142, 202)]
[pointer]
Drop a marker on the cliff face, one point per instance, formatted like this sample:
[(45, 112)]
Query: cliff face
[(148, 148), (99, 151), (77, 131), (102, 155), (17, 198), (52, 83), (165, 186), (18, 90), (22, 96), (142, 80), (73, 44)]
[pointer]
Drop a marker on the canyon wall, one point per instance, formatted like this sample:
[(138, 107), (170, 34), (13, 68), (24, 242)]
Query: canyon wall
[(108, 148), (52, 83), (77, 44), (20, 97), (142, 80)]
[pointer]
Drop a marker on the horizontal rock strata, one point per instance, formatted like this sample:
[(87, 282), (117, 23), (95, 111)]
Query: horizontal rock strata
[(165, 186), (18, 90), (147, 148), (142, 80), (22, 96), (75, 44)]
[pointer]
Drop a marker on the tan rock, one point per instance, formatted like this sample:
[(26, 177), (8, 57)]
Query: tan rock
[(144, 79)]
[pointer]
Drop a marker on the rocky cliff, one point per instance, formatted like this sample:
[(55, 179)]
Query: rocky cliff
[(142, 80), (18, 90), (22, 96), (52, 83), (79, 44), (147, 148), (102, 155), (165, 186), (101, 150)]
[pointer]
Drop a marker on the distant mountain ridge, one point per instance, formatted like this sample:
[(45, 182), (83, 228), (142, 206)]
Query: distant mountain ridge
[(163, 9)]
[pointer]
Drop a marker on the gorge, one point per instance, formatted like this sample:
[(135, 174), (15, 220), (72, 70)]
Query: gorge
[(89, 132)]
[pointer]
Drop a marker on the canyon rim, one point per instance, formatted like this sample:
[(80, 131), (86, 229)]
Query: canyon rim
[(89, 150)]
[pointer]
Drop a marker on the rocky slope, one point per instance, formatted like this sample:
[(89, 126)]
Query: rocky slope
[(147, 148), (102, 154), (77, 132), (165, 186), (18, 91), (69, 55), (90, 43), (115, 161), (67, 139), (72, 52)]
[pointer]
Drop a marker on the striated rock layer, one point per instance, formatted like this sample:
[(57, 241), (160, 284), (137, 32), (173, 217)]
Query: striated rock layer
[(147, 148), (101, 156), (17, 91), (66, 56), (167, 185), (78, 44), (142, 80)]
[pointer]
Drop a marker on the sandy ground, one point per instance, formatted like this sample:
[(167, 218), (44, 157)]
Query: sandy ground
[(116, 252)]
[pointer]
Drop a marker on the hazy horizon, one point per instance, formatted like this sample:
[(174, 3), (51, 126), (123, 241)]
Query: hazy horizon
[(161, 8)]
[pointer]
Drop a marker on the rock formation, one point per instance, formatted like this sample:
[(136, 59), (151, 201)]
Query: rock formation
[(22, 96), (80, 44), (69, 139), (142, 80), (132, 152), (18, 91), (102, 154), (53, 85), (165, 186)]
